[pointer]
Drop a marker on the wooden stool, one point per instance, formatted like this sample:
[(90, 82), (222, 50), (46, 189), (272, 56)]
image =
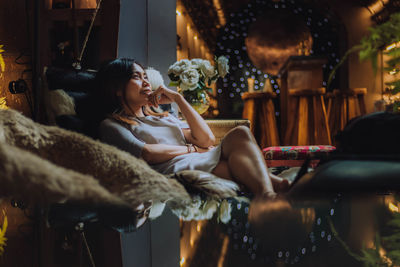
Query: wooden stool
[(308, 124), (347, 104), (259, 109), (329, 97)]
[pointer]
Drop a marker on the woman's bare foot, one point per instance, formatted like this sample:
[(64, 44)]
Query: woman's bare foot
[(281, 186), (268, 195)]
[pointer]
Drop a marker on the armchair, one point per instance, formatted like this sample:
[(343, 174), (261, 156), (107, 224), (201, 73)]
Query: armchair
[(77, 116)]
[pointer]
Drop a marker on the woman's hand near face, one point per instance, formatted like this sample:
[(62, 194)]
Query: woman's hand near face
[(162, 95), (200, 134)]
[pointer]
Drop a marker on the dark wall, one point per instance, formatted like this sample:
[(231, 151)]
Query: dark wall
[(14, 36)]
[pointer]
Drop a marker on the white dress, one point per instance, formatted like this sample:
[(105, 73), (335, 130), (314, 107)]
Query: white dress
[(158, 130)]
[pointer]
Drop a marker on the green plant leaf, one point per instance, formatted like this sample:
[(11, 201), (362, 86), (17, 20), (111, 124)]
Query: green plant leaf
[(396, 106), (173, 83), (388, 69), (393, 84), (173, 77), (395, 52), (342, 60), (367, 53), (201, 85), (393, 62), (374, 62)]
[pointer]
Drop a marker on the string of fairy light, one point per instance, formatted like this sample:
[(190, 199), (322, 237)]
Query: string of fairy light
[(231, 42), (239, 230)]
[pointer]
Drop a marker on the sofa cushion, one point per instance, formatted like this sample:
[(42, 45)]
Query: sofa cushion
[(295, 155), (372, 134), (296, 152)]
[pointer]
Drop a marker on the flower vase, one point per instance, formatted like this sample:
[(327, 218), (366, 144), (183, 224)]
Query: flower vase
[(198, 99)]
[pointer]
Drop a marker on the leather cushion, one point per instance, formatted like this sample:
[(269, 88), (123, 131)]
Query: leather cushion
[(353, 176), (70, 79)]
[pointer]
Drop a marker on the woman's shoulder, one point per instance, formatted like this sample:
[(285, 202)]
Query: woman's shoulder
[(111, 123)]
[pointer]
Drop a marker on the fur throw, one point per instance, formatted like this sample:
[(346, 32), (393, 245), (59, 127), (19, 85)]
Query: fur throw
[(58, 102), (33, 179), (123, 175), (47, 164), (198, 182)]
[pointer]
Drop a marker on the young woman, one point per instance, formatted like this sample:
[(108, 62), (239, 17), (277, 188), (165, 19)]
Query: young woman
[(169, 145)]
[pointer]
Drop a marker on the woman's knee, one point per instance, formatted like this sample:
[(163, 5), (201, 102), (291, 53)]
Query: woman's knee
[(240, 133), (236, 139)]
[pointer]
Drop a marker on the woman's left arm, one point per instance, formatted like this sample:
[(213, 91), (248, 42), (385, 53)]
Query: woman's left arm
[(199, 133)]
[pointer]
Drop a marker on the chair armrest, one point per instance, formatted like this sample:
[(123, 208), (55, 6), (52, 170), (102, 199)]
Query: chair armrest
[(221, 127)]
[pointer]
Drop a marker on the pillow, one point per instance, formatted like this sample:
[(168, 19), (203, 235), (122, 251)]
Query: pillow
[(68, 101), (58, 103), (155, 78), (70, 79)]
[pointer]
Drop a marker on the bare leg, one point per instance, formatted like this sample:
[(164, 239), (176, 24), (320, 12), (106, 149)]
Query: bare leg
[(242, 160)]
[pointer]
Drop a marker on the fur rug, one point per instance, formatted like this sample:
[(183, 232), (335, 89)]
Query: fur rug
[(35, 180), (123, 175), (48, 164)]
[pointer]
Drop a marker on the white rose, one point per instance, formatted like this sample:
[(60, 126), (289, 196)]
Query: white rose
[(196, 63), (178, 67), (209, 208), (207, 69), (189, 79), (223, 67), (225, 211)]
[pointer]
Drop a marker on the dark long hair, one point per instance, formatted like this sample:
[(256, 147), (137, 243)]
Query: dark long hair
[(113, 76)]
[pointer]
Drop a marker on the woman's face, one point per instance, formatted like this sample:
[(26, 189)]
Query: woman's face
[(138, 89)]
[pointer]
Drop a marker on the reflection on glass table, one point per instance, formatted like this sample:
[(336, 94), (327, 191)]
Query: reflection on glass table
[(342, 230)]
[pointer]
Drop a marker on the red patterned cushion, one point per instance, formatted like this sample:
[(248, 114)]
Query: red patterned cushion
[(295, 152)]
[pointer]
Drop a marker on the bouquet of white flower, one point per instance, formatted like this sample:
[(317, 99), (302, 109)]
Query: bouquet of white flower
[(193, 76)]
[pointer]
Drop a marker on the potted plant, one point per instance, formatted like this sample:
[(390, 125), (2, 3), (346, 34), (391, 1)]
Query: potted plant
[(386, 38)]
